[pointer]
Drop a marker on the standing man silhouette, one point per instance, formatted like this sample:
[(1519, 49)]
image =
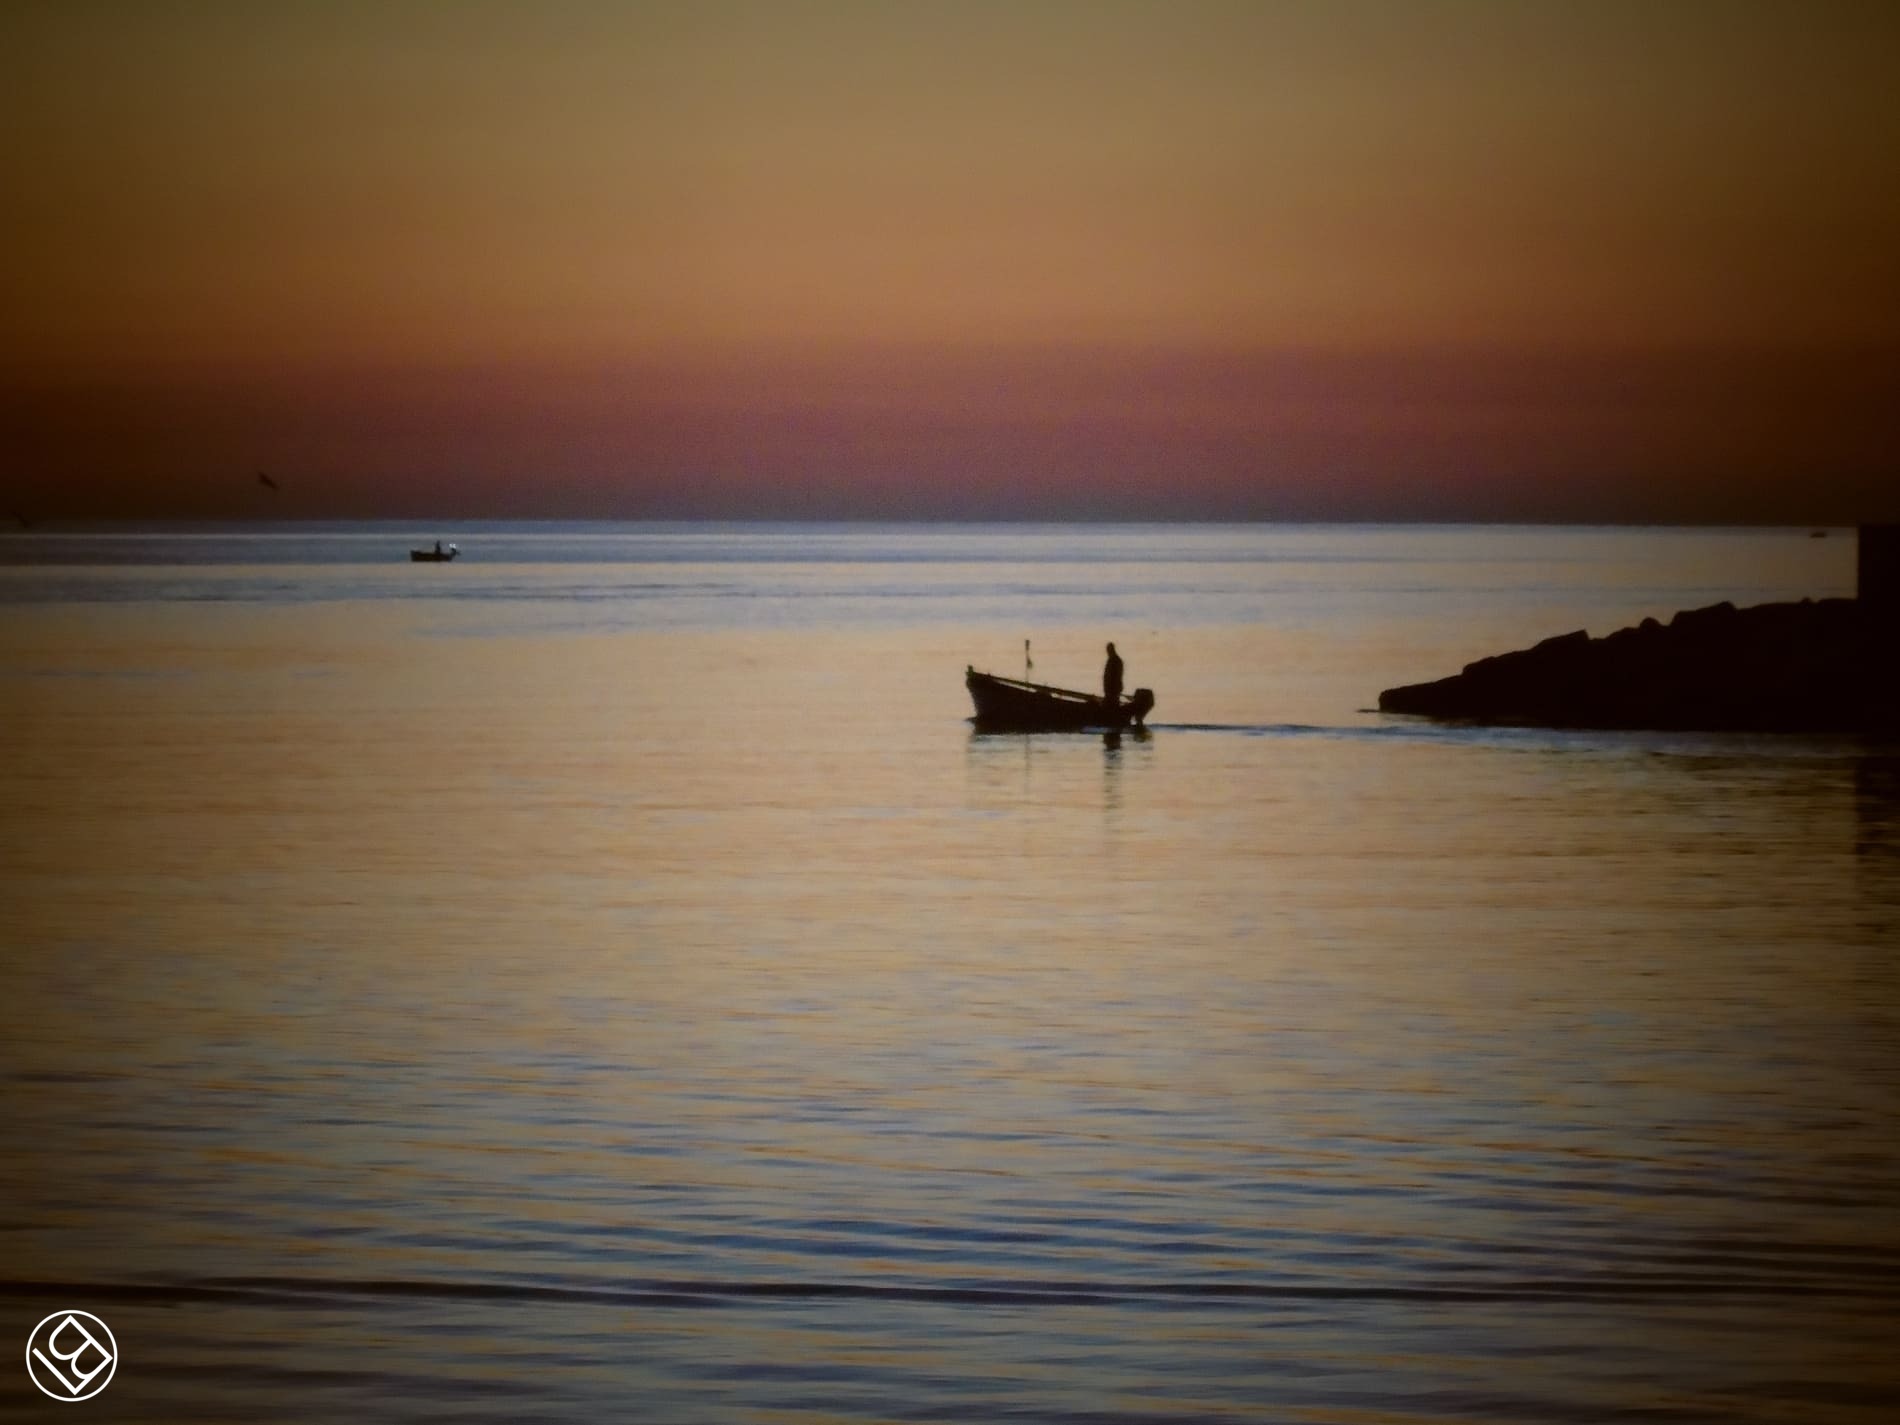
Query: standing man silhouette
[(1112, 682)]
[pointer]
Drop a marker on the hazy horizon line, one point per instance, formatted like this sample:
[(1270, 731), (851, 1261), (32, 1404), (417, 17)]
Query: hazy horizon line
[(55, 524)]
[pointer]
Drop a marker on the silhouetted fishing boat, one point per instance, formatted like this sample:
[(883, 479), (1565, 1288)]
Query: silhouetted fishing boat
[(1012, 705), (438, 555)]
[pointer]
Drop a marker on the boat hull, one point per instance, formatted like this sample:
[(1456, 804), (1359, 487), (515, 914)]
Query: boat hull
[(1011, 705), (429, 556)]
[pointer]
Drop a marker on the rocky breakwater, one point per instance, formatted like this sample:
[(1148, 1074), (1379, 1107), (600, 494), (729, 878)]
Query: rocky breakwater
[(1824, 665)]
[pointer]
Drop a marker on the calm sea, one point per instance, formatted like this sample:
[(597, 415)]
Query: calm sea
[(606, 978)]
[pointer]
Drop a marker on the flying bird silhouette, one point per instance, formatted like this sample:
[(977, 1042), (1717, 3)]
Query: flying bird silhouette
[(266, 481)]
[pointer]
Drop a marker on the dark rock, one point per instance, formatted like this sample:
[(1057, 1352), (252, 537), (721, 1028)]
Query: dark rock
[(1826, 666), (1711, 616)]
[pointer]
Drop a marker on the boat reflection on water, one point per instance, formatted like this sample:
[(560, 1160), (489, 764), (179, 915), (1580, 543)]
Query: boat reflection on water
[(1877, 805)]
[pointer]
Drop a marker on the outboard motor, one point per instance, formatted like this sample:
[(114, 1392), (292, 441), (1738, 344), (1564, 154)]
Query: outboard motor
[(1140, 705)]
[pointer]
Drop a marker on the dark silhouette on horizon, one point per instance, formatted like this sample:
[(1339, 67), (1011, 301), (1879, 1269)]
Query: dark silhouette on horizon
[(1112, 679), (1823, 666)]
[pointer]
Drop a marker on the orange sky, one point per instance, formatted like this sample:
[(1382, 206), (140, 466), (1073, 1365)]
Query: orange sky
[(1361, 259)]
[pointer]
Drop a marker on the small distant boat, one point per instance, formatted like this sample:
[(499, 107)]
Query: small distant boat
[(1012, 705), (441, 554)]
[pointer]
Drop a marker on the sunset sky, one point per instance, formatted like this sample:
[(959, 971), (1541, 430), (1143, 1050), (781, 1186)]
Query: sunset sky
[(1354, 259)]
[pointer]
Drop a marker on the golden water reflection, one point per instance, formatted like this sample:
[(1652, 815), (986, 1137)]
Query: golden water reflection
[(728, 966)]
